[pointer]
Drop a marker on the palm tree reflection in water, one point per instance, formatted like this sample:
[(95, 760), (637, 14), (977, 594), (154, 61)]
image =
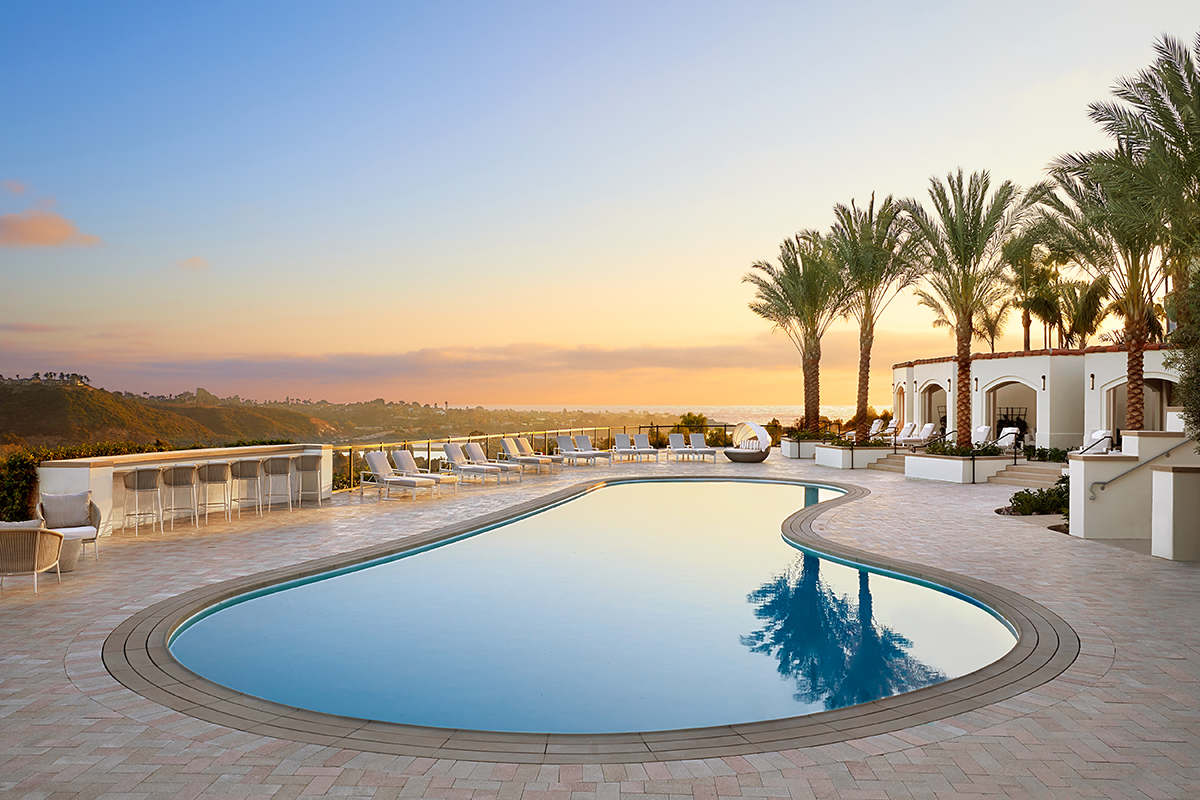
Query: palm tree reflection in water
[(834, 649)]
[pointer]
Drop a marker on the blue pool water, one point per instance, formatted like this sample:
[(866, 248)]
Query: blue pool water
[(643, 606)]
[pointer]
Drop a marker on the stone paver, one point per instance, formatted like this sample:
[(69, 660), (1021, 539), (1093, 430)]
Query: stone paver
[(1120, 721)]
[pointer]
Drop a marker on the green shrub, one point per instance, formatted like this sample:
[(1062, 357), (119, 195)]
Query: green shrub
[(1052, 454), (952, 449), (1055, 500)]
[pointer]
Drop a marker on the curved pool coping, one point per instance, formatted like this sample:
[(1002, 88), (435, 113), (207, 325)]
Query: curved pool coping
[(136, 655)]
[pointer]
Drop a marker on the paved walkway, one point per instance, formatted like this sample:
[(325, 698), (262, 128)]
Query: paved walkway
[(1120, 722)]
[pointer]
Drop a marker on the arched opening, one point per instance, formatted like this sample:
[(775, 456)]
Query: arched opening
[(1012, 404), (933, 406), (898, 406), (1157, 395)]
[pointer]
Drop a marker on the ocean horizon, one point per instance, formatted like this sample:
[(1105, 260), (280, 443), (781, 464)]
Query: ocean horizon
[(714, 413)]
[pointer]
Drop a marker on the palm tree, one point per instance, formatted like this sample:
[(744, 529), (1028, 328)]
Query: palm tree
[(1159, 127), (1100, 226), (1084, 307), (990, 325), (873, 250), (802, 297), (960, 245)]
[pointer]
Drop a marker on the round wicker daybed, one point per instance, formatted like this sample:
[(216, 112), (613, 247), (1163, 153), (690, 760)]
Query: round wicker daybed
[(751, 443)]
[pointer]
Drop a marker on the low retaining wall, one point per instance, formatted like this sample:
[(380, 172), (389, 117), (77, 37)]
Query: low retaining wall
[(954, 469), (828, 455)]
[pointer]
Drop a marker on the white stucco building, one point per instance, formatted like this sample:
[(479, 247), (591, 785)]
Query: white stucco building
[(1062, 395)]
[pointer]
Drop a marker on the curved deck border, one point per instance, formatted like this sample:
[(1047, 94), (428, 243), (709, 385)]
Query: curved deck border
[(136, 655)]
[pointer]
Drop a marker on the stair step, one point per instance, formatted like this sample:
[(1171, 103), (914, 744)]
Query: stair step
[(1029, 483), (884, 467)]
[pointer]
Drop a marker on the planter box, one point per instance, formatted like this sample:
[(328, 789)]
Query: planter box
[(799, 448), (839, 457), (953, 469)]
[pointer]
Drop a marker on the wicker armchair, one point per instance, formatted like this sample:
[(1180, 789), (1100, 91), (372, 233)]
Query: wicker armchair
[(28, 551), (88, 533)]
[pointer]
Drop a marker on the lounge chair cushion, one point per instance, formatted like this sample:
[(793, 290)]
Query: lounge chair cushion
[(30, 523), (66, 510)]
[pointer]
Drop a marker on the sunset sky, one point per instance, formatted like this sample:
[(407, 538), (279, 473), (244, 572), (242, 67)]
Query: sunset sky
[(497, 203)]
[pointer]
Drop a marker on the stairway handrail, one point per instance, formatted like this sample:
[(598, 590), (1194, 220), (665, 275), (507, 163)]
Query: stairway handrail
[(1104, 484)]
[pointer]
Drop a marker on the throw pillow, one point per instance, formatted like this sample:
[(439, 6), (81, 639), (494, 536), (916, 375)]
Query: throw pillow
[(66, 510)]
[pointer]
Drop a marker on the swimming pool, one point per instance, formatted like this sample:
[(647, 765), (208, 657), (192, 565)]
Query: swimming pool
[(640, 606)]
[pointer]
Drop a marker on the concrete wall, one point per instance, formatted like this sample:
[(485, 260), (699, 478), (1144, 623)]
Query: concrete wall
[(1122, 509)]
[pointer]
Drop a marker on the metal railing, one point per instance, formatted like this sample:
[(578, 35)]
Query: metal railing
[(348, 461), (1165, 453)]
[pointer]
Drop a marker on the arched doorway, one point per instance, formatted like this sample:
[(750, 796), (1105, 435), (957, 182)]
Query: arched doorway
[(933, 406), (1157, 395), (1011, 404), (898, 406)]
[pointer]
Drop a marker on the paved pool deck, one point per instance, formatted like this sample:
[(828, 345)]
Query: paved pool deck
[(1122, 720)]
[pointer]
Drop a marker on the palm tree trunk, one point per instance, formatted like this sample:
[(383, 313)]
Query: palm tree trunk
[(1135, 381), (1026, 323), (962, 389), (866, 338), (812, 393)]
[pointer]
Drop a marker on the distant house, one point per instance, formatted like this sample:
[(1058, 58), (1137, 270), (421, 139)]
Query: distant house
[(1060, 395)]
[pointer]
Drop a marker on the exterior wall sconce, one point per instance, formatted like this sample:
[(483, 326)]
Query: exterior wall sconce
[(1043, 381), (977, 384), (1093, 380)]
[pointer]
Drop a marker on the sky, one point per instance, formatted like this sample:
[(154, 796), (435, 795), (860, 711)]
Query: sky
[(498, 203)]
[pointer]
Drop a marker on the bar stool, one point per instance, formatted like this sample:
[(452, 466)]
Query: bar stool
[(308, 465), (174, 479), (245, 473), (214, 474), (143, 480), (274, 469)]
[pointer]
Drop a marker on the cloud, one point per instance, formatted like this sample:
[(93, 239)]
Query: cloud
[(193, 264), (41, 228), (14, 187), (28, 327)]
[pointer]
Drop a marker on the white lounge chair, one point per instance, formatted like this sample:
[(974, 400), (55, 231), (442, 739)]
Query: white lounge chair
[(566, 449), (584, 445), (905, 432), (624, 448), (981, 434), (525, 449), (407, 465), (876, 426), (677, 446), (1008, 437), (381, 475), (641, 441), (462, 466), (477, 456), (701, 448), (513, 454), (889, 431), (1096, 442), (921, 438)]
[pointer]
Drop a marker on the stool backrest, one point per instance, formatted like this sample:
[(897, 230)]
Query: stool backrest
[(279, 465), (142, 480), (246, 469), (214, 472), (308, 463), (179, 476)]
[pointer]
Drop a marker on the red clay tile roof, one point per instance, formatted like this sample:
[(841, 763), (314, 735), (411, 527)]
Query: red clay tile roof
[(1110, 348)]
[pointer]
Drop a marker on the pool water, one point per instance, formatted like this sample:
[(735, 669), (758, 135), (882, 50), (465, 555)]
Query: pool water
[(636, 607)]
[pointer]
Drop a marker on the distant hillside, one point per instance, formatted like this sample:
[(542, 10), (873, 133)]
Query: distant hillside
[(229, 423), (52, 415)]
